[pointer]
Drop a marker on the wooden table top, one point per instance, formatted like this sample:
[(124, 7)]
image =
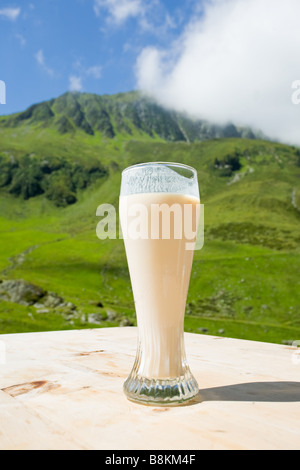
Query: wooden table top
[(63, 390)]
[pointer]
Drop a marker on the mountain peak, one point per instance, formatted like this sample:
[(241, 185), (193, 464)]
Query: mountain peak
[(129, 113)]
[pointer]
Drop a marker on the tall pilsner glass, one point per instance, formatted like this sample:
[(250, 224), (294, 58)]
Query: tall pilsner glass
[(159, 214)]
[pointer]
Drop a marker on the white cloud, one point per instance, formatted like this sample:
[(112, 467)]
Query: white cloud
[(40, 58), (119, 10), (95, 71), (235, 62), (10, 13), (21, 39), (151, 16), (75, 83), (81, 73)]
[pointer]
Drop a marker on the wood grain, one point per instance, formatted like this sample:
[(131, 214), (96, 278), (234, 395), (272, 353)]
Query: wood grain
[(63, 390)]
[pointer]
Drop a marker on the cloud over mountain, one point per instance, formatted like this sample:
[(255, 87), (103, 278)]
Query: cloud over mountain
[(236, 61)]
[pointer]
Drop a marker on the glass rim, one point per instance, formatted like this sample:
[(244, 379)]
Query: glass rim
[(170, 164)]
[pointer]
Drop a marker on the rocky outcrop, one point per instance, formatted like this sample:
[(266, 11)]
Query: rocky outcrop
[(24, 293), (21, 292), (30, 295)]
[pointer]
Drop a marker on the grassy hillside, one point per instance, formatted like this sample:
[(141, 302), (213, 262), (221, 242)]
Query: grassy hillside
[(125, 114), (245, 281)]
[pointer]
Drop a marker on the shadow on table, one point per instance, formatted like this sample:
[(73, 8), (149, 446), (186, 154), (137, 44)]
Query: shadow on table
[(254, 391)]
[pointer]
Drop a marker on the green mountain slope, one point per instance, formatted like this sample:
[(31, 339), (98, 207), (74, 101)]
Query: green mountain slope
[(123, 114), (245, 281)]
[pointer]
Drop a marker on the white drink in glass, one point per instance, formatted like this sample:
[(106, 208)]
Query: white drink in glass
[(159, 230)]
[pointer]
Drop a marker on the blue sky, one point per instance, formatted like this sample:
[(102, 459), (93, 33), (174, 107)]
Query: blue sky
[(220, 60), (51, 46)]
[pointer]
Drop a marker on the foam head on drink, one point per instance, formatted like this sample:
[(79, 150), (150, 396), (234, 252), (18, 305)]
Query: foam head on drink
[(159, 231)]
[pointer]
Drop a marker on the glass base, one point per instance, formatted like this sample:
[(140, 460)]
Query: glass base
[(163, 392)]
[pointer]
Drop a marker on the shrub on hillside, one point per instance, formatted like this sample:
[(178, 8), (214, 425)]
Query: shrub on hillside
[(6, 170), (27, 180), (60, 189), (59, 179), (297, 153), (228, 164)]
